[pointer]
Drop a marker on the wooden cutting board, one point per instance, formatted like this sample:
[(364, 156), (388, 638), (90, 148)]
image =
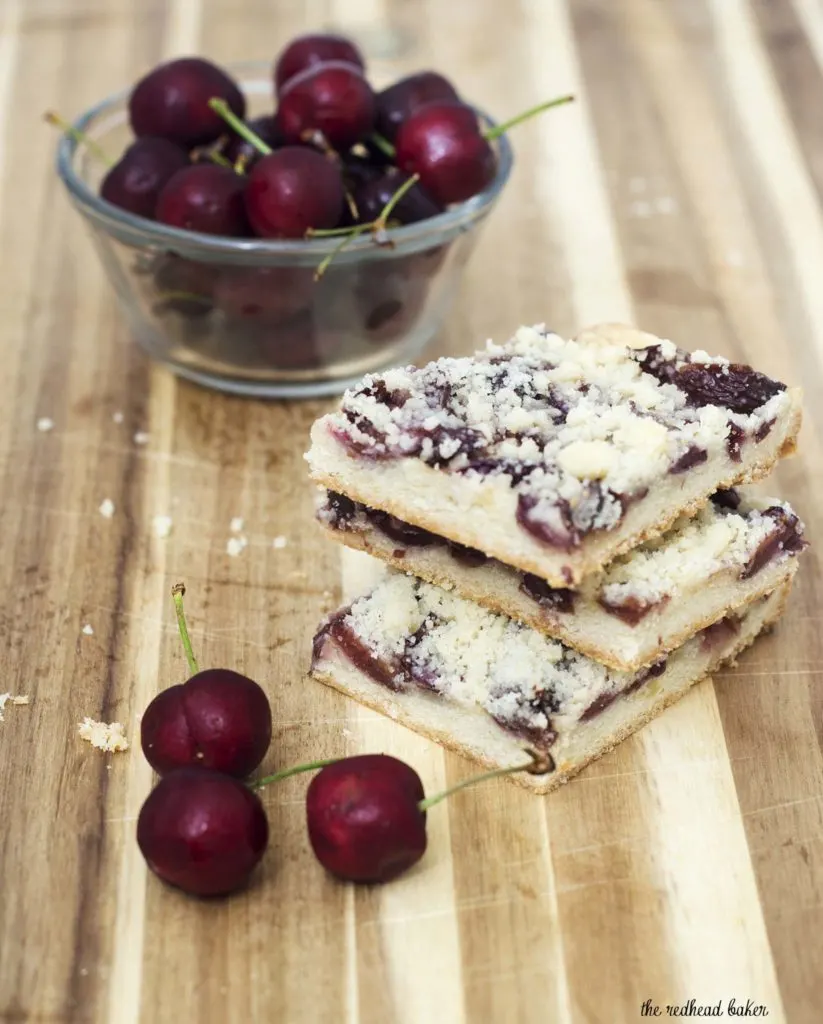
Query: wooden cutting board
[(682, 192)]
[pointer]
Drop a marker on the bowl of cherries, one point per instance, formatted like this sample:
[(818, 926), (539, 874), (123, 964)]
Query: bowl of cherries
[(281, 233)]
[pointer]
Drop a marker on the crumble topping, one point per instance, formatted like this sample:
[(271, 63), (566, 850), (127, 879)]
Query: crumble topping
[(109, 737), (694, 550), (474, 656), (7, 698), (734, 531), (578, 428)]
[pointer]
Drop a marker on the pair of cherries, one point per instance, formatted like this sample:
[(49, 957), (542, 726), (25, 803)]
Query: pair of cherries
[(204, 829)]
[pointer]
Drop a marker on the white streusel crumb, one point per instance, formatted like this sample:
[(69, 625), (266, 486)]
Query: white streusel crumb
[(45, 424), (109, 737), (162, 526), (106, 508)]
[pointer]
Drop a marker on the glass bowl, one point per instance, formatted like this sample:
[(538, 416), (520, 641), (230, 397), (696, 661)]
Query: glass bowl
[(246, 315)]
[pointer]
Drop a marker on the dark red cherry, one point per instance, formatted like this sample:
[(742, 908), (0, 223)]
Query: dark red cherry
[(371, 197), (265, 128), (136, 180), (332, 98), (172, 102), (363, 818), (292, 190), (218, 720), (304, 51), (442, 143), (205, 198), (266, 295), (398, 102), (202, 831)]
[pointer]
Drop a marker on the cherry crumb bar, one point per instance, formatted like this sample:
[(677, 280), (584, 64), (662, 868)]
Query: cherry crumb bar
[(642, 605), (555, 456), (488, 687)]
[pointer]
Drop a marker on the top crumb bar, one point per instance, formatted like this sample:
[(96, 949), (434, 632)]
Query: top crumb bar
[(555, 455)]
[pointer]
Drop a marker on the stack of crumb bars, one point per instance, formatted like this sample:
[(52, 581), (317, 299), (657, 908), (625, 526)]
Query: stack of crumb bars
[(569, 545)]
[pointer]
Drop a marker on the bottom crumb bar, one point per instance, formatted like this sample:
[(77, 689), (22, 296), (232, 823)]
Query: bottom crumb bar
[(489, 688)]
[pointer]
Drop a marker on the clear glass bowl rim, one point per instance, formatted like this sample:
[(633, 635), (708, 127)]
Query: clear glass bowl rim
[(160, 235)]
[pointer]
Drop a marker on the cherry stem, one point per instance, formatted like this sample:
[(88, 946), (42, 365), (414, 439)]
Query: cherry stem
[(287, 772), (221, 161), (540, 764), (380, 223), (233, 121), (499, 129), (177, 592), (355, 232), (383, 144), (79, 137)]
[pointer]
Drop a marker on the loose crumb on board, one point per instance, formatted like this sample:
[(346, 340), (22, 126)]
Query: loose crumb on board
[(104, 736), (236, 545), (117, 416), (88, 629), (237, 524), (45, 424), (279, 542), (9, 698), (106, 508), (141, 437), (161, 526)]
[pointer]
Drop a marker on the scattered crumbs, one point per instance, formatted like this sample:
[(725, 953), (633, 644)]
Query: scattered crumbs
[(141, 437), (666, 204), (84, 970), (87, 629), (161, 526), (347, 732), (237, 524), (8, 698), (640, 208), (327, 594), (117, 416), (235, 546), (104, 736), (637, 185), (45, 424), (106, 508), (279, 542)]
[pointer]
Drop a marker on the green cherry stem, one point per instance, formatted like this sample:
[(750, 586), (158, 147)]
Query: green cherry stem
[(177, 592), (233, 121), (79, 137), (345, 242), (285, 773), (221, 161), (380, 223), (499, 129), (383, 144), (540, 764)]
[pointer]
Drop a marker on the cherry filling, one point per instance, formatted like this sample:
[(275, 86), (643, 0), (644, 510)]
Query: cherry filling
[(556, 598), (732, 386), (734, 442), (553, 524), (360, 654), (519, 721), (720, 632), (631, 611), (605, 699), (397, 530), (341, 510), (692, 456), (785, 538), (729, 499)]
